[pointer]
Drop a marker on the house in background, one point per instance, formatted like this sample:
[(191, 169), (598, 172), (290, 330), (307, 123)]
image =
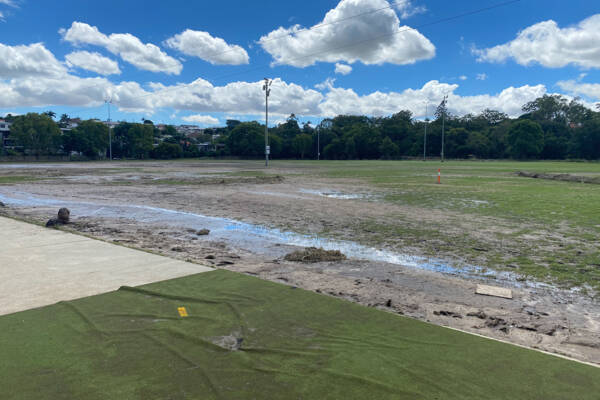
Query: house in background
[(4, 133)]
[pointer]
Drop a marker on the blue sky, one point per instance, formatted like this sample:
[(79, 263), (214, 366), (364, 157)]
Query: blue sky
[(202, 62)]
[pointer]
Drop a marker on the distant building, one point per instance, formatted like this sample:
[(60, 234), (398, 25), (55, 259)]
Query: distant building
[(4, 132), (71, 124), (111, 124), (188, 130), (209, 147)]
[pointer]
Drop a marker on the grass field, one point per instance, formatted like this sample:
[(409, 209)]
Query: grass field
[(245, 338), (552, 227), (494, 182)]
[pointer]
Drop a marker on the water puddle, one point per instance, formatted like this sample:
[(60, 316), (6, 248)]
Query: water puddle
[(254, 238), (332, 194)]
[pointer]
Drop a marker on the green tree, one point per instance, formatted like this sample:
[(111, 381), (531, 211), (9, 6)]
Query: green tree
[(247, 140), (456, 143), (525, 139), (548, 108), (478, 145), (367, 141), (165, 151), (586, 140), (302, 145), (37, 133), (335, 149), (287, 132), (350, 148), (388, 149), (141, 139), (64, 121), (232, 123), (493, 117), (90, 138)]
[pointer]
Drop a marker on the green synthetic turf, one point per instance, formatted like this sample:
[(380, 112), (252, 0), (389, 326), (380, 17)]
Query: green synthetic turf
[(132, 344)]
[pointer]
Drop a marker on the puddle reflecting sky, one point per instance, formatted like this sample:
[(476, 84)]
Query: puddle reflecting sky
[(254, 238)]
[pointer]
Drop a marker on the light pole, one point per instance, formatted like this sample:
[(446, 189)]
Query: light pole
[(267, 89), (443, 122), (318, 144), (108, 103), (425, 136)]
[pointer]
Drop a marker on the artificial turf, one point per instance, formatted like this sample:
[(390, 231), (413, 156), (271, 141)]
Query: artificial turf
[(245, 338)]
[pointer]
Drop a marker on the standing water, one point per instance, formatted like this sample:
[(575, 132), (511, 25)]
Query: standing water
[(250, 237)]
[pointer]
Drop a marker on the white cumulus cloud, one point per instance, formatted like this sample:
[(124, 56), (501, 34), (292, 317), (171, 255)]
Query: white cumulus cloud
[(30, 76), (147, 56), (342, 69), (201, 119), (94, 62), (238, 97), (408, 9), (346, 101), (326, 84), (481, 77), (212, 49), (28, 60), (551, 46), (576, 88), (371, 38)]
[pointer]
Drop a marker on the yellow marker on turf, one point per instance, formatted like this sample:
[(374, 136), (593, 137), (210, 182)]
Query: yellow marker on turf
[(182, 312)]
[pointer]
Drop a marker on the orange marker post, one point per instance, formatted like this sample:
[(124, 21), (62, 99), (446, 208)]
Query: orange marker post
[(439, 176)]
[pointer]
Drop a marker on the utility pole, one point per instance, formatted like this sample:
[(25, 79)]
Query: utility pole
[(318, 144), (443, 123), (267, 89), (108, 103), (425, 136)]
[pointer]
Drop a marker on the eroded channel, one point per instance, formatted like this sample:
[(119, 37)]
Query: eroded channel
[(258, 239)]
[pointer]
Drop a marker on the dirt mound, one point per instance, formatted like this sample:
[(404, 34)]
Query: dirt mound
[(560, 177), (312, 255)]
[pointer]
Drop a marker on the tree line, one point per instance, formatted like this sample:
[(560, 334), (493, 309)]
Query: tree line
[(551, 127), (38, 134)]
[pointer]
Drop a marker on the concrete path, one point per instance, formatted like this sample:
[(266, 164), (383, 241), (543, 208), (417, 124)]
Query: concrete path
[(40, 266)]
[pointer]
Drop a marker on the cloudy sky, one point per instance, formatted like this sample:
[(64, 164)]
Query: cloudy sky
[(203, 62)]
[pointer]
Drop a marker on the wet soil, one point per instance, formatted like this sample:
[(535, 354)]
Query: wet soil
[(540, 316)]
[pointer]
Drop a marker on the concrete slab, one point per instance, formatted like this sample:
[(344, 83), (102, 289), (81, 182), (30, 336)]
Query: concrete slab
[(40, 266), (494, 291)]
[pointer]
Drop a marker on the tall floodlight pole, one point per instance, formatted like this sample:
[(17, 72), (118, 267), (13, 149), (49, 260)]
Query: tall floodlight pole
[(108, 103), (443, 123), (425, 136), (318, 144), (267, 89)]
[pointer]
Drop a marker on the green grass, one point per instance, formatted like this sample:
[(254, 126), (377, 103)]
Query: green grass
[(466, 183), (132, 344), (554, 224), (11, 179)]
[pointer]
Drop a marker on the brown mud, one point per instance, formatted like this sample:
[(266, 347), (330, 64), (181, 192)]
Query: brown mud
[(557, 320)]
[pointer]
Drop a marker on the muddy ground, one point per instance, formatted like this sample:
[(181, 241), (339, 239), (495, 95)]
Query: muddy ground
[(562, 321)]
